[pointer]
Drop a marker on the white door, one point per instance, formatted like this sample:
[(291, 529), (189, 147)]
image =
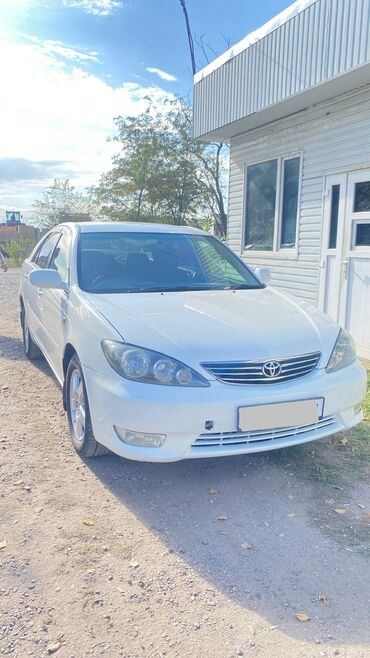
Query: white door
[(345, 263), (54, 311), (33, 297)]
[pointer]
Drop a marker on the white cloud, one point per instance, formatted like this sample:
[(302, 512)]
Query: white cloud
[(161, 74), (53, 110), (95, 7), (60, 49)]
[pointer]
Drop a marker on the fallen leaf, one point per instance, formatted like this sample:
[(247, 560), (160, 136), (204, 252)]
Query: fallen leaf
[(52, 648), (302, 616), (290, 516), (343, 440), (38, 510), (91, 571), (213, 491), (222, 518), (88, 522), (134, 564), (291, 497), (366, 517), (246, 546), (27, 488), (339, 510), (324, 599), (17, 483), (120, 590), (3, 544)]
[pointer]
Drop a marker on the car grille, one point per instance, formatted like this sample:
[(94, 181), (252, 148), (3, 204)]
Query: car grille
[(239, 439), (253, 372)]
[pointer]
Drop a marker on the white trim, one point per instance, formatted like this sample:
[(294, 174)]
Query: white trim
[(336, 253)]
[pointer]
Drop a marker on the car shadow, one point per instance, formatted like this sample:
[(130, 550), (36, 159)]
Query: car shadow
[(253, 501), (12, 349)]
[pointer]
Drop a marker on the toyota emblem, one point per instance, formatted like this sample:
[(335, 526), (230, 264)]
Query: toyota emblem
[(271, 369)]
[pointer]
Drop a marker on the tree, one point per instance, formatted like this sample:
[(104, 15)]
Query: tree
[(62, 202), (161, 174), (213, 158), (18, 250)]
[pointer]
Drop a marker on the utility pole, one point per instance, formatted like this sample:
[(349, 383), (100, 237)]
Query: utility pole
[(190, 37)]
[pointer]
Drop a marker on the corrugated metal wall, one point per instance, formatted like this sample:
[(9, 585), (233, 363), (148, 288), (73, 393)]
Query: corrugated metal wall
[(326, 39), (333, 137)]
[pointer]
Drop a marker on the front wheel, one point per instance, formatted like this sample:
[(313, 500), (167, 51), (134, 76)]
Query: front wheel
[(78, 413)]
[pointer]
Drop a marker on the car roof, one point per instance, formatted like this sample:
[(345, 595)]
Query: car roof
[(131, 227)]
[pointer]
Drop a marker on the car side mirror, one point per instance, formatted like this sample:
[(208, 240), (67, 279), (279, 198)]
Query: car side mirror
[(263, 274), (47, 279)]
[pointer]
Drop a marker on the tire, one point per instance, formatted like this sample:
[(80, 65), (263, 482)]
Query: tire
[(78, 412), (31, 350)]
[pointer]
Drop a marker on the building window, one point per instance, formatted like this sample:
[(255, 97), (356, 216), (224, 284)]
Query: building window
[(272, 192), (290, 203), (334, 215), (362, 197), (261, 202), (362, 235)]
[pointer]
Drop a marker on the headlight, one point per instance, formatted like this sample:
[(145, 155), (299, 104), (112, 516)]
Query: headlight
[(142, 365), (344, 352)]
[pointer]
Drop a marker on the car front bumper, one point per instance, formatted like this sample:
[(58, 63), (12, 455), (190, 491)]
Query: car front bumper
[(182, 413)]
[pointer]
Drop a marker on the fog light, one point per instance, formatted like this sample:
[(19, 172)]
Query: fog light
[(140, 438), (357, 408)]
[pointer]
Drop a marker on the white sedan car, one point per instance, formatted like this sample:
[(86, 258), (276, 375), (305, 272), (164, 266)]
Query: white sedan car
[(169, 347)]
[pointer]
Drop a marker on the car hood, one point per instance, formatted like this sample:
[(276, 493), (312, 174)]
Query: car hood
[(196, 326)]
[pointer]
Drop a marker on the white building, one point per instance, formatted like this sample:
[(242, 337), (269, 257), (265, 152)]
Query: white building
[(293, 100)]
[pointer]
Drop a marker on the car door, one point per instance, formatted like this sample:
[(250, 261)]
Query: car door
[(32, 296), (54, 309)]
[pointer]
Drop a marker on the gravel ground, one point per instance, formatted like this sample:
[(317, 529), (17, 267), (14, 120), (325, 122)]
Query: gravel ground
[(196, 559)]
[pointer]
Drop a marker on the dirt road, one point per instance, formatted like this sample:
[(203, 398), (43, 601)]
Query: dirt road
[(194, 559)]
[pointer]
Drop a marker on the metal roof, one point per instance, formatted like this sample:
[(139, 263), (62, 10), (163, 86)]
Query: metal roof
[(314, 50)]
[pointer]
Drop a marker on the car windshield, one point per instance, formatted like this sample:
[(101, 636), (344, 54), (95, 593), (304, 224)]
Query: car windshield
[(112, 262)]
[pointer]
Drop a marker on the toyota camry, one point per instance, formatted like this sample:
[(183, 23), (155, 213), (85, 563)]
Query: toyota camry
[(167, 346)]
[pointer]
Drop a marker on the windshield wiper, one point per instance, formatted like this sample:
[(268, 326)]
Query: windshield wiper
[(181, 288), (246, 286)]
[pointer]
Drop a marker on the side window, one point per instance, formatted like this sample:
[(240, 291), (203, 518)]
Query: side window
[(60, 258), (271, 213), (261, 205), (42, 258)]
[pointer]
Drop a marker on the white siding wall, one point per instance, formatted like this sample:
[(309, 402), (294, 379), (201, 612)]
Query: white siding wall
[(333, 137)]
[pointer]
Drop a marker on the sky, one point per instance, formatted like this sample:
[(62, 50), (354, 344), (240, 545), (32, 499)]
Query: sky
[(68, 67)]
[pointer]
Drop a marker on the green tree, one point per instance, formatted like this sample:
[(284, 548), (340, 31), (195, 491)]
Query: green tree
[(18, 250), (62, 202), (160, 173)]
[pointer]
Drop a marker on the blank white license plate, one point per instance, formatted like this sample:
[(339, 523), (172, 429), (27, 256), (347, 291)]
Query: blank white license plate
[(282, 414)]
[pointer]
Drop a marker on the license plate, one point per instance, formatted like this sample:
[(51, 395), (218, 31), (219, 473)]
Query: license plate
[(281, 414)]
